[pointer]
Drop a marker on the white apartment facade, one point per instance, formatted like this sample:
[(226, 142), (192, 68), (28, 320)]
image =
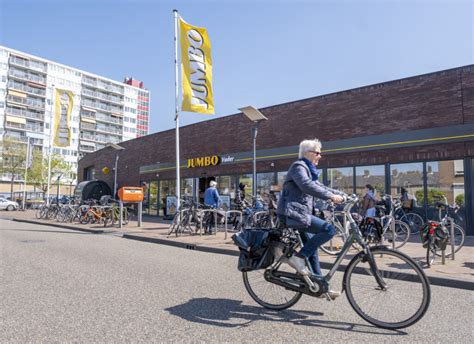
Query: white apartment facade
[(104, 111)]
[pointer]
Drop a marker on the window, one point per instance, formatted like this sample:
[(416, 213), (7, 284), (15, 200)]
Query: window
[(458, 167), (373, 175), (342, 179), (410, 177), (264, 183), (226, 185), (153, 204), (247, 180), (186, 187)]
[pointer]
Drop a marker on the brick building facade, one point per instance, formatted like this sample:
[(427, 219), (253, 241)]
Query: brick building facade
[(408, 125)]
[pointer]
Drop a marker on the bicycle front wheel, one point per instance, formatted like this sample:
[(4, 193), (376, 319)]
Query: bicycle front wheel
[(402, 303), (334, 246), (402, 234), (266, 294)]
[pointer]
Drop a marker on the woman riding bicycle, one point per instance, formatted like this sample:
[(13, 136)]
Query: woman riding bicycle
[(296, 204)]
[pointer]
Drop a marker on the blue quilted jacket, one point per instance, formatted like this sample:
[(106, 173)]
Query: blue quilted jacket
[(299, 190)]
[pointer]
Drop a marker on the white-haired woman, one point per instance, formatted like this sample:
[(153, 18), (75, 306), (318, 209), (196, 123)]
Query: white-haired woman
[(296, 205)]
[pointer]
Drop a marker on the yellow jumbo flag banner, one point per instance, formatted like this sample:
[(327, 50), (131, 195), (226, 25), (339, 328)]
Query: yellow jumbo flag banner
[(62, 118), (196, 67)]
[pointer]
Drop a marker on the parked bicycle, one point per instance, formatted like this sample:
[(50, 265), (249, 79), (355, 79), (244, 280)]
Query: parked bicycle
[(414, 220), (376, 280), (378, 230), (186, 215), (429, 237)]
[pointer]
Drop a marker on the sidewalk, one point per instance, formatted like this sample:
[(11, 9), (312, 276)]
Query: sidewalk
[(458, 273)]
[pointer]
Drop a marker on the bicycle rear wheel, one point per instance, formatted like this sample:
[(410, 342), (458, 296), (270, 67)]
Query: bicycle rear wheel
[(334, 246), (266, 294), (405, 299), (458, 240), (413, 220)]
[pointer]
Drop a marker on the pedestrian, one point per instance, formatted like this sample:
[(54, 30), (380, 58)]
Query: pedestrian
[(296, 207), (407, 200), (211, 201), (368, 202), (240, 201)]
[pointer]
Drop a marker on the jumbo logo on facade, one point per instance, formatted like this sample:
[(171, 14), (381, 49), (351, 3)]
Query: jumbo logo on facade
[(203, 161)]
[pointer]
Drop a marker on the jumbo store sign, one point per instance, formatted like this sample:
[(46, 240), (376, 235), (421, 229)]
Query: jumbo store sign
[(204, 161)]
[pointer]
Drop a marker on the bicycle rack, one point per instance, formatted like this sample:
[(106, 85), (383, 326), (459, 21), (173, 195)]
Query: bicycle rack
[(203, 211), (139, 213), (226, 216)]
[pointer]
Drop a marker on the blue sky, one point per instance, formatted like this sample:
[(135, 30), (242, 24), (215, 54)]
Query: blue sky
[(264, 52)]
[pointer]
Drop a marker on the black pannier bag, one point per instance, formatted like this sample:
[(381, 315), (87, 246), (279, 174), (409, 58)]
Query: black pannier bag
[(255, 249)]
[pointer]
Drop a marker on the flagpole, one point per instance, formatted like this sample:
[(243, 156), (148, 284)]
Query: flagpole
[(178, 180), (50, 143)]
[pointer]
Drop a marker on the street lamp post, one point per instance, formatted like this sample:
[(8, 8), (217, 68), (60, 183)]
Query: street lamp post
[(256, 117), (117, 148)]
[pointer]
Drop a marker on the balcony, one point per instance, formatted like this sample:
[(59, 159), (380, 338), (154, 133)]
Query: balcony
[(15, 85), (101, 106), (108, 119), (109, 130), (88, 137), (25, 101), (88, 126), (102, 96), (27, 127), (87, 148), (87, 114), (110, 87), (24, 113), (23, 139), (89, 81), (36, 65), (15, 73)]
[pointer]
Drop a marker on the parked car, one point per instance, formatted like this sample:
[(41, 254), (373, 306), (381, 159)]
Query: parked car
[(8, 205)]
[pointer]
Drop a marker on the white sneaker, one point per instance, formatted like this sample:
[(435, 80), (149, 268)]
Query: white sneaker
[(332, 294), (299, 264)]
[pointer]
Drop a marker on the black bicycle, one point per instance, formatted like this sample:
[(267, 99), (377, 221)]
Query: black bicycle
[(384, 286)]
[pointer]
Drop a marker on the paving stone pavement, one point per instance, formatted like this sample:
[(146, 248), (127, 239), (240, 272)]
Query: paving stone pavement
[(458, 273)]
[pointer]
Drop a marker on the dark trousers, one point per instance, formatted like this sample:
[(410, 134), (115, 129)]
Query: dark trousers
[(318, 233)]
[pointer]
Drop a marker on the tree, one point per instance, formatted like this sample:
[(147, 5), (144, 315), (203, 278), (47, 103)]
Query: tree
[(38, 173), (13, 159), (434, 195)]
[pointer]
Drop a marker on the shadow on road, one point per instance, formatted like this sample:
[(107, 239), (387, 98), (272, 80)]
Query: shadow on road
[(233, 314)]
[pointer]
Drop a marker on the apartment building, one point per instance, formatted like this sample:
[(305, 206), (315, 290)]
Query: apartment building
[(104, 111)]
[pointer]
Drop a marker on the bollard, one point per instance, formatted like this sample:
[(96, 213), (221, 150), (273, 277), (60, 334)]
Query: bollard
[(226, 216), (215, 221), (452, 239), (225, 226), (139, 214), (392, 227), (120, 214), (443, 256)]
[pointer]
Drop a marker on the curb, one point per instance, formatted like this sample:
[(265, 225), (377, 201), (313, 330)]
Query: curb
[(88, 230), (434, 280)]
